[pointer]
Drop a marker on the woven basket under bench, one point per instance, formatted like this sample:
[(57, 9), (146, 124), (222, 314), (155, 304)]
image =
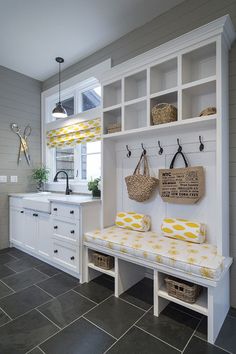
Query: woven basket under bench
[(103, 261), (183, 290)]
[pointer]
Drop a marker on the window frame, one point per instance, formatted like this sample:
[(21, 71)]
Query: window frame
[(50, 102)]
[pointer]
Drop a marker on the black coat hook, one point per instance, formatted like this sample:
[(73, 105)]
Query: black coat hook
[(144, 150), (129, 152), (160, 148), (201, 147), (180, 147)]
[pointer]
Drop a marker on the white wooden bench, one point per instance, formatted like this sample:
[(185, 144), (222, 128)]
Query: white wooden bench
[(139, 253)]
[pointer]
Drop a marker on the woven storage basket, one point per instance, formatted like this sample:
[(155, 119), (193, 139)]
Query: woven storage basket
[(208, 111), (113, 128), (103, 260), (140, 187), (164, 113), (183, 290)]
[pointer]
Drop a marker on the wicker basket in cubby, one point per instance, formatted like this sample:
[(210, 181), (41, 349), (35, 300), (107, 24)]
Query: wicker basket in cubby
[(164, 113), (183, 290), (103, 261)]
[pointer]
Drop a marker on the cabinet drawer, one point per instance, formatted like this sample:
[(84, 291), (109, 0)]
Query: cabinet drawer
[(67, 230), (65, 254), (65, 211)]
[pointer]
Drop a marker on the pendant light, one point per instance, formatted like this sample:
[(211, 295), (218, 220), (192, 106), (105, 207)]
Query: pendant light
[(59, 111)]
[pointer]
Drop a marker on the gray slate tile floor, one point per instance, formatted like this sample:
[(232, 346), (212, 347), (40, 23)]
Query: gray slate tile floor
[(45, 311)]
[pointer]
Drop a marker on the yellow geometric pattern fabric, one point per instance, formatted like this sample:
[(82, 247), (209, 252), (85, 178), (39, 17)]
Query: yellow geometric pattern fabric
[(184, 230), (133, 221), (197, 259), (71, 135)]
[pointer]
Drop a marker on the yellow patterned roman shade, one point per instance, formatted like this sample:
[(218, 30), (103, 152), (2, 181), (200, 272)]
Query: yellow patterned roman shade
[(71, 135)]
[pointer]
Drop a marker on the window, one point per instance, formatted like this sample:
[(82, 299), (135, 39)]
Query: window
[(83, 161), (91, 160), (91, 98), (65, 162)]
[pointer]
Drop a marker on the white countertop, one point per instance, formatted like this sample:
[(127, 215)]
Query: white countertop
[(77, 199)]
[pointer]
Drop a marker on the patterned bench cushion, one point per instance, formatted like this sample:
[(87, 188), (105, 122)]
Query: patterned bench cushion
[(198, 259)]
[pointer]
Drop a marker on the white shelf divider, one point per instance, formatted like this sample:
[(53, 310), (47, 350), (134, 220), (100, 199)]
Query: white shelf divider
[(110, 272)]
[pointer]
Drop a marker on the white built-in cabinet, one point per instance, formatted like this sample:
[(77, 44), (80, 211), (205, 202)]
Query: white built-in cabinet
[(54, 237), (191, 73)]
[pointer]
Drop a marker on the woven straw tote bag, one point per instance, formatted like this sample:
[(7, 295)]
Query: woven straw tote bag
[(140, 186)]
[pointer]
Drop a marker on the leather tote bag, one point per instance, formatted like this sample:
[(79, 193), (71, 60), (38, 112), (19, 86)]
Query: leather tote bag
[(182, 185), (140, 186)]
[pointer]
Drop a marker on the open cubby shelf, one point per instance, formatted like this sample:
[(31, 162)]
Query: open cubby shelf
[(199, 63), (111, 117), (163, 76), (112, 94), (136, 86), (187, 81), (135, 115)]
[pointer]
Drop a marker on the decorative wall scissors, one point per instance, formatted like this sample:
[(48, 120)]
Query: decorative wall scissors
[(23, 148)]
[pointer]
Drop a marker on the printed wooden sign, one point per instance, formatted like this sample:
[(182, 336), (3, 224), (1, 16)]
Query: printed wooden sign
[(182, 185)]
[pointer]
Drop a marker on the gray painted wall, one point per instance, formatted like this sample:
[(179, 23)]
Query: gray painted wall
[(19, 103), (179, 20)]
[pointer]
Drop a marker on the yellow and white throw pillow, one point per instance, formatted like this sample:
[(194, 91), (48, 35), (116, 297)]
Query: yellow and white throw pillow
[(183, 229), (133, 221)]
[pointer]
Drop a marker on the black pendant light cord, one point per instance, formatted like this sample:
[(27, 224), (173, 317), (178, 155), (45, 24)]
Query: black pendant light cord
[(59, 111), (59, 82)]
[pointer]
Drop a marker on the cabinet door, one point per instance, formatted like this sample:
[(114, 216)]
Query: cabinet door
[(44, 235), (31, 229), (17, 221)]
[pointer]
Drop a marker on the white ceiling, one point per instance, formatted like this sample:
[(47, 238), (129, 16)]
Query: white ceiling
[(34, 32)]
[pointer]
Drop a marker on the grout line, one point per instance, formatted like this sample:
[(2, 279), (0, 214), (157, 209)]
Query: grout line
[(215, 345), (127, 331), (192, 335), (130, 303), (70, 323), (102, 329), (161, 340), (6, 313), (7, 286), (47, 318), (16, 259), (52, 297), (37, 347), (87, 298), (43, 273)]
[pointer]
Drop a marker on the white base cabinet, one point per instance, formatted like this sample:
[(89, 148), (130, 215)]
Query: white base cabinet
[(55, 238)]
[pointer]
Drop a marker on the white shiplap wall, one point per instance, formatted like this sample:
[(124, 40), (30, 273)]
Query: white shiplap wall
[(19, 103), (183, 18)]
